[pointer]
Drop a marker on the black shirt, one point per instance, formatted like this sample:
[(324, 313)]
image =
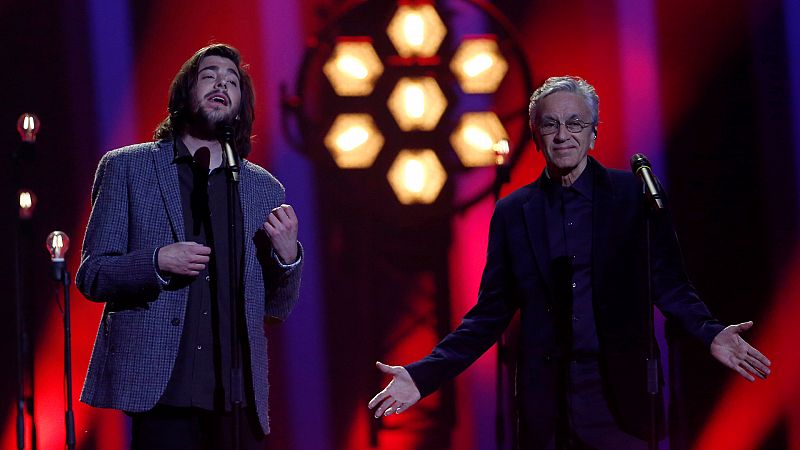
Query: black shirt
[(568, 216), (201, 376)]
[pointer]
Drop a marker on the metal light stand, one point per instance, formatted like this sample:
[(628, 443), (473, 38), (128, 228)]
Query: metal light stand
[(28, 126), (22, 335), (61, 275)]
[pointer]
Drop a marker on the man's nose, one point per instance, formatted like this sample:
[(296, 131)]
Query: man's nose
[(222, 84), (562, 134)]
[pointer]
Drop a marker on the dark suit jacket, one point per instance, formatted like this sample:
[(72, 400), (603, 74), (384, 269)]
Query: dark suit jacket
[(518, 275), (136, 208)]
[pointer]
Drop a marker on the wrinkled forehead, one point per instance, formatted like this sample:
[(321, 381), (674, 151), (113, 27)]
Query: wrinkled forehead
[(563, 105)]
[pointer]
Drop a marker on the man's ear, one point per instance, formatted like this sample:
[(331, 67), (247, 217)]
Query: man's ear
[(533, 136)]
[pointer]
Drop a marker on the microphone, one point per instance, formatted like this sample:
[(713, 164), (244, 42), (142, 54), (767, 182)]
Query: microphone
[(641, 167), (229, 156)]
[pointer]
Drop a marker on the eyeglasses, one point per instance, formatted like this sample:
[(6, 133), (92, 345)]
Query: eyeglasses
[(572, 125)]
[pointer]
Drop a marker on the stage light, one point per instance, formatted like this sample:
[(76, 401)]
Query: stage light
[(28, 127), (57, 244), (416, 176), (417, 103), (353, 68), (354, 141), (478, 65), (416, 30), (27, 204), (475, 138), (501, 150)]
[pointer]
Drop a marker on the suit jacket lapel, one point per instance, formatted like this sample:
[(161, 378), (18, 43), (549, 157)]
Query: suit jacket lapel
[(534, 214), (167, 176), (602, 221), (250, 220)]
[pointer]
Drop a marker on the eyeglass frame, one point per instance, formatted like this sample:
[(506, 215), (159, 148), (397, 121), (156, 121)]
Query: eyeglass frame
[(558, 123)]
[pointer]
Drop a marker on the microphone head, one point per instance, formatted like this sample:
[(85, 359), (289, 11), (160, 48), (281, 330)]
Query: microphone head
[(638, 161)]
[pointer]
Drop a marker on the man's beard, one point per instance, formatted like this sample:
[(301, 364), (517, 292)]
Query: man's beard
[(207, 123)]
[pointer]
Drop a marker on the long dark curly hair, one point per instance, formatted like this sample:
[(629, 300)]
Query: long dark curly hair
[(180, 98)]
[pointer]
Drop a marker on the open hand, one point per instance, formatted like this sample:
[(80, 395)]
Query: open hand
[(400, 394), (731, 350)]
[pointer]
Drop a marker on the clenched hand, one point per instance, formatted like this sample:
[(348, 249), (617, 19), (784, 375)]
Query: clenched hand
[(281, 227), (183, 258)]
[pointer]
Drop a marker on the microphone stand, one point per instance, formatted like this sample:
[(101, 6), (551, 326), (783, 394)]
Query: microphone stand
[(654, 203), (60, 274), (231, 161), (653, 388)]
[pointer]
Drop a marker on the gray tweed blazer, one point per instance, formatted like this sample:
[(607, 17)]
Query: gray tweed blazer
[(136, 208)]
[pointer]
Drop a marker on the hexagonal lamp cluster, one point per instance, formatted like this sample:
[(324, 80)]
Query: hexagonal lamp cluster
[(416, 104)]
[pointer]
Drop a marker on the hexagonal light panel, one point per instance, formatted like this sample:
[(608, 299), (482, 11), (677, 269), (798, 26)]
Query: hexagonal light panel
[(478, 65), (353, 67), (475, 137), (416, 30), (416, 176), (417, 103), (354, 141)]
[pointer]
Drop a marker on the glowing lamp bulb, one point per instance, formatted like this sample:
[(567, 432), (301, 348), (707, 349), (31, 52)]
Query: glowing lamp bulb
[(501, 150), (352, 138), (57, 244), (414, 30), (27, 203), (414, 176), (478, 136), (478, 64), (415, 101), (352, 66), (28, 127)]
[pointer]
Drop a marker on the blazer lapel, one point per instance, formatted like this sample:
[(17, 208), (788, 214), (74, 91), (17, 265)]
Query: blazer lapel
[(250, 220), (167, 176), (537, 231), (602, 221)]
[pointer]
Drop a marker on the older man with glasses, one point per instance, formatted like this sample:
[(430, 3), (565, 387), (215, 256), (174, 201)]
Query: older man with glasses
[(568, 251)]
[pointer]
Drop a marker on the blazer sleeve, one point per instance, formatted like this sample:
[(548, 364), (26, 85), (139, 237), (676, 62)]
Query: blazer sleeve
[(674, 293), (281, 281), (109, 271), (283, 287), (481, 326)]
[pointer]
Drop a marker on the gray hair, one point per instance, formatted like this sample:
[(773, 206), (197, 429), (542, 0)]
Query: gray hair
[(569, 84)]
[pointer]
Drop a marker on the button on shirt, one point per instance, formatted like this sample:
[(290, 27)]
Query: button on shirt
[(201, 376), (568, 215)]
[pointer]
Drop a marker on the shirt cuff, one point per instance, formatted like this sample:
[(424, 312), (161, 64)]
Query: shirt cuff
[(283, 265), (162, 280)]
